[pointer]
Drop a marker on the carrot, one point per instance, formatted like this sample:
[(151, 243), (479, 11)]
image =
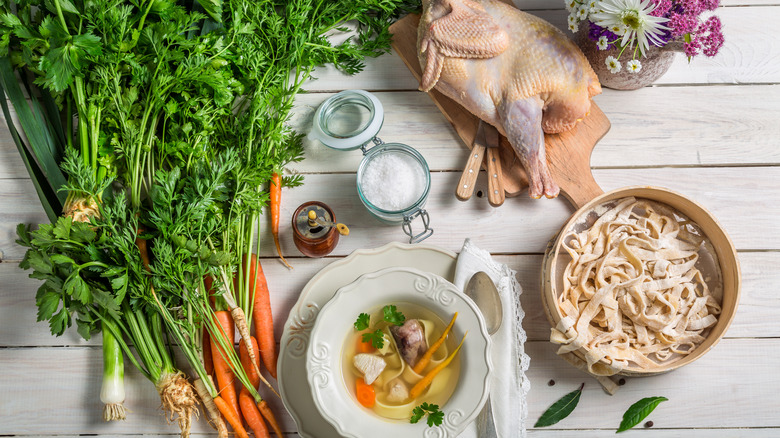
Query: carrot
[(418, 387), (246, 362), (239, 318), (141, 244), (269, 417), (364, 347), (231, 416), (275, 205), (365, 393), (426, 358), (252, 414), (261, 315), (225, 378)]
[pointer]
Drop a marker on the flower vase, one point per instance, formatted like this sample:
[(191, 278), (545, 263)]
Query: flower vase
[(655, 63)]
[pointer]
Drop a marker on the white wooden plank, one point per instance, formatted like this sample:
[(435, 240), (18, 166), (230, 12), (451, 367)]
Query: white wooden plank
[(551, 432), (734, 385), (751, 54), (520, 225), (54, 391)]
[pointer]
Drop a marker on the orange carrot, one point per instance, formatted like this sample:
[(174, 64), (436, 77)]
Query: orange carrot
[(252, 414), (418, 387), (364, 347), (269, 417), (246, 361), (426, 358), (232, 417), (225, 379), (261, 315), (275, 205), (365, 393)]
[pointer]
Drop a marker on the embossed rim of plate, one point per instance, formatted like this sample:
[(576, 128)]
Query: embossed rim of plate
[(396, 285), (300, 404)]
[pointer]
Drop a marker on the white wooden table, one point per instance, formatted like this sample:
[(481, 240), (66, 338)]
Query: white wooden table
[(709, 130)]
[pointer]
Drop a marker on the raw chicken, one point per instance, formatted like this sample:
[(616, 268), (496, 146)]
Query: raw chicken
[(510, 69), (410, 340)]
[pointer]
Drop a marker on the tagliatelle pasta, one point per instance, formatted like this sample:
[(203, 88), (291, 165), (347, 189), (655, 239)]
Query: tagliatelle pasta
[(632, 294)]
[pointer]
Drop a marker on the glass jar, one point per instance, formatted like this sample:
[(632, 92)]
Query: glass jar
[(393, 179)]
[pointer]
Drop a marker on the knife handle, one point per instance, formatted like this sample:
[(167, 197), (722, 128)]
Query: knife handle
[(495, 178), (469, 176)]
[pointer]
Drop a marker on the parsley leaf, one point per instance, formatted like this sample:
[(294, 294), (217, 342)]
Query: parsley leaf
[(435, 416), (377, 338), (362, 321), (392, 315)]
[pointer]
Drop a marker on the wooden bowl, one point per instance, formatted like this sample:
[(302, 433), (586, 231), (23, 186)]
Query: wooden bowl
[(724, 262)]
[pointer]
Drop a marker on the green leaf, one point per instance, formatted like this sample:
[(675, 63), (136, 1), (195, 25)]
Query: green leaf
[(59, 322), (638, 411), (435, 416), (38, 261), (376, 338), (119, 285), (213, 8), (84, 328), (62, 228), (76, 287), (82, 232), (392, 315), (47, 302), (362, 321), (62, 259), (560, 409)]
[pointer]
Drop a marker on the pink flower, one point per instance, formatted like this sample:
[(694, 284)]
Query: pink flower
[(662, 7), (682, 24), (711, 36), (691, 7), (710, 5), (692, 48)]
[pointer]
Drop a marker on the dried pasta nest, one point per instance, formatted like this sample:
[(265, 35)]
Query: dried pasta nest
[(640, 281)]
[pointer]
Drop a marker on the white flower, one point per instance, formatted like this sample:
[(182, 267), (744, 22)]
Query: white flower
[(593, 6), (572, 19), (571, 5), (618, 29), (634, 66), (602, 43), (582, 12), (574, 27), (634, 16), (613, 64)]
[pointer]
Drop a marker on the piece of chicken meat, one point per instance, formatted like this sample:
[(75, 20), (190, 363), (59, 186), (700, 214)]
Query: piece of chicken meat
[(410, 340), (510, 69)]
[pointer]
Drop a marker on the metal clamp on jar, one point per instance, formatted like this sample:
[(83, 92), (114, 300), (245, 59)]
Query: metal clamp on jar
[(393, 180)]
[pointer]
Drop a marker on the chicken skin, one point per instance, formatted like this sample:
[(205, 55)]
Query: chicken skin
[(510, 69)]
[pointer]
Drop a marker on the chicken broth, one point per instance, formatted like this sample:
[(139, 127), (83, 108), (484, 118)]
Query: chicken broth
[(388, 370)]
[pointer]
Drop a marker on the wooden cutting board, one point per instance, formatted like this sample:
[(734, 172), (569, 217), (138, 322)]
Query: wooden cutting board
[(568, 153)]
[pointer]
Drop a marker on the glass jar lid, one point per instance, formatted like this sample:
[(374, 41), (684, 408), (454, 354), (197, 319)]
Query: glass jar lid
[(348, 120)]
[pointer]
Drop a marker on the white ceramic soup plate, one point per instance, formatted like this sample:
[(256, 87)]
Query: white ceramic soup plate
[(334, 328)]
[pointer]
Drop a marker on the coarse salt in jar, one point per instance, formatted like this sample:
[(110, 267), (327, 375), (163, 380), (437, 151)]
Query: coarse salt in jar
[(393, 179)]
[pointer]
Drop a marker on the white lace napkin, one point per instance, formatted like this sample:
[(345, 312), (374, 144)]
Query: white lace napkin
[(509, 384)]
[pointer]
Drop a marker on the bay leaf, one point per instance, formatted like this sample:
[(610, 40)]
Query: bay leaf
[(638, 411), (560, 409)]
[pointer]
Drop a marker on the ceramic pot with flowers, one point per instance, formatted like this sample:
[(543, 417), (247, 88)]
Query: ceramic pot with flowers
[(632, 43)]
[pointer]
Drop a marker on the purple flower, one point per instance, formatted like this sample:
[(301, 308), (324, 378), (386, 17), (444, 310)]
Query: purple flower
[(691, 7), (710, 5), (662, 8), (681, 24), (692, 48), (711, 36), (595, 32)]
